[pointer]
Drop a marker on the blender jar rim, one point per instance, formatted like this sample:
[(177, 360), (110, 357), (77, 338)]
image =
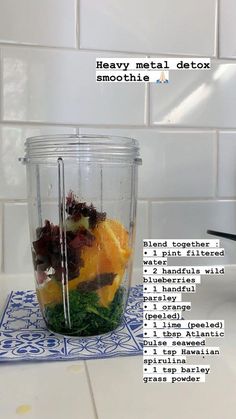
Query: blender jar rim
[(85, 147)]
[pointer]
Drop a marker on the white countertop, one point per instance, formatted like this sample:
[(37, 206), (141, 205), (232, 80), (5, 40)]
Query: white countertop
[(113, 388)]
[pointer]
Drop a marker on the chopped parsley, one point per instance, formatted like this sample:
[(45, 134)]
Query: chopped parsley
[(87, 316)]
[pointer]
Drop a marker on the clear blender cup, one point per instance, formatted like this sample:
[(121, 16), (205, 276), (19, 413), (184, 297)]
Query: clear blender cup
[(82, 194)]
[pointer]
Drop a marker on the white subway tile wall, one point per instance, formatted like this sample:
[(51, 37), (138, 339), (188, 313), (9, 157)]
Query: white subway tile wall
[(227, 28), (12, 173), (171, 159), (227, 164), (52, 86), (17, 257), (149, 26), (197, 98), (186, 129), (47, 23), (187, 220)]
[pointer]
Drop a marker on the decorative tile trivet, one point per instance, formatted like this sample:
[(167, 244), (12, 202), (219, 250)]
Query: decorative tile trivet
[(24, 336)]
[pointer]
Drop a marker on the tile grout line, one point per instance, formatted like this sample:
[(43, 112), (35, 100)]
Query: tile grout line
[(13, 201), (77, 126), (149, 218), (1, 84), (72, 124), (35, 46), (2, 238), (137, 53), (187, 200), (147, 105), (77, 48), (113, 52), (217, 28), (91, 390), (145, 199), (217, 165), (77, 24), (150, 54)]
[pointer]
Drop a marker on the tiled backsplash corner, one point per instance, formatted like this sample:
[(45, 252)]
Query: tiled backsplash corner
[(186, 129)]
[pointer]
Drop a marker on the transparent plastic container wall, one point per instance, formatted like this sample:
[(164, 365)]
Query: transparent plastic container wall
[(82, 197)]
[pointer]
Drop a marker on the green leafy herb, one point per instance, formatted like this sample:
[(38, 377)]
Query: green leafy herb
[(87, 316)]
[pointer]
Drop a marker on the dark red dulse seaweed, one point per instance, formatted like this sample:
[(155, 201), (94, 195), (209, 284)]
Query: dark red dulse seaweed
[(76, 210), (46, 249), (97, 282)]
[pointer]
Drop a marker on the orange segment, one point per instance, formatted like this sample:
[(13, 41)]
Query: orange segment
[(120, 232), (109, 254), (115, 241), (50, 292), (107, 293), (111, 246)]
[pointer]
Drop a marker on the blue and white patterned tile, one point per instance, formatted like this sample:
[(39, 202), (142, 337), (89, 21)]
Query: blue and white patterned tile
[(24, 336), (30, 345)]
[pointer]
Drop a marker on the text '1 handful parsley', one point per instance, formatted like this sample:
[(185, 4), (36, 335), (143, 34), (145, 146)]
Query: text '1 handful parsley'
[(98, 251)]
